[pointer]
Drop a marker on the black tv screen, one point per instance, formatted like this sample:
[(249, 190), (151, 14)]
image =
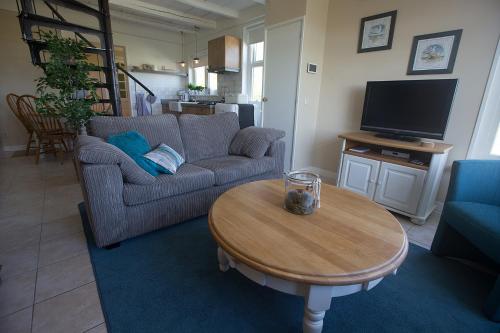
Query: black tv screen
[(416, 108)]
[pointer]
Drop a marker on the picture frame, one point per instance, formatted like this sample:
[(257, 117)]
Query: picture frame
[(376, 32), (434, 53)]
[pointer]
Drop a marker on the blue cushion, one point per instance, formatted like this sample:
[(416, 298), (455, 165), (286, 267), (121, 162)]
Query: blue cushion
[(479, 223), (135, 146)]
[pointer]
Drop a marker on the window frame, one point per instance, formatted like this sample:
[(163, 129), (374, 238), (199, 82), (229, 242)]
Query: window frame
[(207, 85), (486, 130), (252, 63)]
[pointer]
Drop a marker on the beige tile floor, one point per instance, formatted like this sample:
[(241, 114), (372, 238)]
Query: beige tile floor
[(48, 283)]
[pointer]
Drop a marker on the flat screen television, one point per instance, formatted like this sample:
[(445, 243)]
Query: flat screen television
[(408, 109)]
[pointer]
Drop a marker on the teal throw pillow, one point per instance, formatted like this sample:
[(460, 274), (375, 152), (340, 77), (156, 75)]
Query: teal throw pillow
[(135, 145)]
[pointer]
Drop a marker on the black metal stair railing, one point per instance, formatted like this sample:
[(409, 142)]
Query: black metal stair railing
[(28, 18)]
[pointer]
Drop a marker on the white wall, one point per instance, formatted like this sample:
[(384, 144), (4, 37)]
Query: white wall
[(144, 44), (346, 72)]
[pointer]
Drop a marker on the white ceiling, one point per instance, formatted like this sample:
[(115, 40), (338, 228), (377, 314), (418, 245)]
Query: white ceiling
[(180, 7)]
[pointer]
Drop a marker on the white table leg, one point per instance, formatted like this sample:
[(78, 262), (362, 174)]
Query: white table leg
[(223, 262), (317, 301)]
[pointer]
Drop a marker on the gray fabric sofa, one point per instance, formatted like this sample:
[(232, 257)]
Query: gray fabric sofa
[(123, 201)]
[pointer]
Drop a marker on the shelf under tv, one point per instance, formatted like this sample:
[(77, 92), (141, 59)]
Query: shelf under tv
[(397, 137)]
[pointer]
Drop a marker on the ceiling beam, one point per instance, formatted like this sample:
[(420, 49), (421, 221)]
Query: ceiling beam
[(211, 7), (125, 16), (163, 13)]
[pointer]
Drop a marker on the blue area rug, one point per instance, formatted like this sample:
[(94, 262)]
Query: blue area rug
[(168, 281)]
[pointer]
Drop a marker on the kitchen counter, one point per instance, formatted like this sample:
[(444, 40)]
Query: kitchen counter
[(191, 108)]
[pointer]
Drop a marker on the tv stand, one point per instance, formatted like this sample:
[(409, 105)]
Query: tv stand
[(405, 186), (397, 137)]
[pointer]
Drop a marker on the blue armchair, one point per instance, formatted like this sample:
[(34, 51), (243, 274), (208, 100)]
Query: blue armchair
[(470, 224)]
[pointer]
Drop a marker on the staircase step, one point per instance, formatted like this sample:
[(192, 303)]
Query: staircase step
[(39, 46), (77, 6), (28, 20)]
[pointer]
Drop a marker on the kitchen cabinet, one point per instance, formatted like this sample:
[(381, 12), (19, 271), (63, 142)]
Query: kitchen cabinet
[(189, 108), (224, 54)]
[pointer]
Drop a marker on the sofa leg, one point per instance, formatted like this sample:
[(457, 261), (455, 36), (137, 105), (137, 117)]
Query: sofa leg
[(112, 246), (492, 305)]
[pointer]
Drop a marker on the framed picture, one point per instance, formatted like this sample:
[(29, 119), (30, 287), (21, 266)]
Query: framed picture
[(376, 32), (434, 53)]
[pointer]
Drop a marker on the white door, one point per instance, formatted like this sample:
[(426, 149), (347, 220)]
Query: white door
[(283, 45), (359, 175), (400, 187)]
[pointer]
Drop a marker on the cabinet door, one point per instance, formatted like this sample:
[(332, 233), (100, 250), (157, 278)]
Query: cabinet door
[(359, 175), (400, 187)]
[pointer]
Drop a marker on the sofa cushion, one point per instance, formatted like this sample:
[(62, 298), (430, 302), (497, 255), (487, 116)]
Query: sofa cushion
[(93, 150), (254, 141), (187, 179), (207, 136), (135, 145), (156, 129), (479, 223), (233, 168)]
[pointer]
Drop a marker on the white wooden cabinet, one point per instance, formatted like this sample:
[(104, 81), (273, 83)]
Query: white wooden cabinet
[(359, 175), (399, 187)]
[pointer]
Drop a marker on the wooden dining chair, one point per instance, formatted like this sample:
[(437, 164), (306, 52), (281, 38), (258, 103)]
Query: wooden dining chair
[(12, 102), (49, 131)]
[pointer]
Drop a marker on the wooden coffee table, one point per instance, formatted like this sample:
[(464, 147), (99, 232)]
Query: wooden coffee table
[(347, 245)]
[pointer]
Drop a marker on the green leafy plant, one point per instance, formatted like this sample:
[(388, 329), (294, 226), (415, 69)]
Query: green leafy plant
[(66, 90), (194, 87)]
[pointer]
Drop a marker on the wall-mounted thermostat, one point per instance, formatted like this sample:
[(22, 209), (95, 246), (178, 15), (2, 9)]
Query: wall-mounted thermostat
[(312, 68)]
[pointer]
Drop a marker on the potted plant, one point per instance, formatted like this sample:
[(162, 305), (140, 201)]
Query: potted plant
[(195, 89), (66, 90)]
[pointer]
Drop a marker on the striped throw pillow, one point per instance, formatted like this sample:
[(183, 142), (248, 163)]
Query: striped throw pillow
[(166, 157)]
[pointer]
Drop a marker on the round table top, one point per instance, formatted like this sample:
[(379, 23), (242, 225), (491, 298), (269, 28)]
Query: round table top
[(349, 240)]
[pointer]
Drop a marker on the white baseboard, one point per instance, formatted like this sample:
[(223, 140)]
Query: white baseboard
[(14, 148), (327, 176)]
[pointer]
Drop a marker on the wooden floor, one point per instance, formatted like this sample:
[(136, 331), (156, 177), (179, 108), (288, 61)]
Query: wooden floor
[(47, 279)]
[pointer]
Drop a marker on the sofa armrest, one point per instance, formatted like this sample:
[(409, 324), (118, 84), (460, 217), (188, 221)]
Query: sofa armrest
[(475, 181), (94, 150), (102, 186), (277, 151)]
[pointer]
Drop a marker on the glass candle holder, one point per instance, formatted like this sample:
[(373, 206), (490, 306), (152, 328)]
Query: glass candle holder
[(302, 192)]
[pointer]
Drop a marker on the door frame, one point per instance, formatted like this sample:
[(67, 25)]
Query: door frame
[(299, 19)]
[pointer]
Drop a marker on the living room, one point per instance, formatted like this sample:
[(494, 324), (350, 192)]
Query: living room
[(361, 195)]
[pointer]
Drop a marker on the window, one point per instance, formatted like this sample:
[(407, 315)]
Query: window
[(485, 142), (201, 77), (495, 150), (212, 83), (256, 71)]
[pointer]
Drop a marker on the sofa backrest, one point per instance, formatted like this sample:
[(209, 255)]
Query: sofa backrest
[(156, 129), (207, 136)]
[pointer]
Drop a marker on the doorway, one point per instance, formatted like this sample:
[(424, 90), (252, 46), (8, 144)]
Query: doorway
[(283, 43)]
